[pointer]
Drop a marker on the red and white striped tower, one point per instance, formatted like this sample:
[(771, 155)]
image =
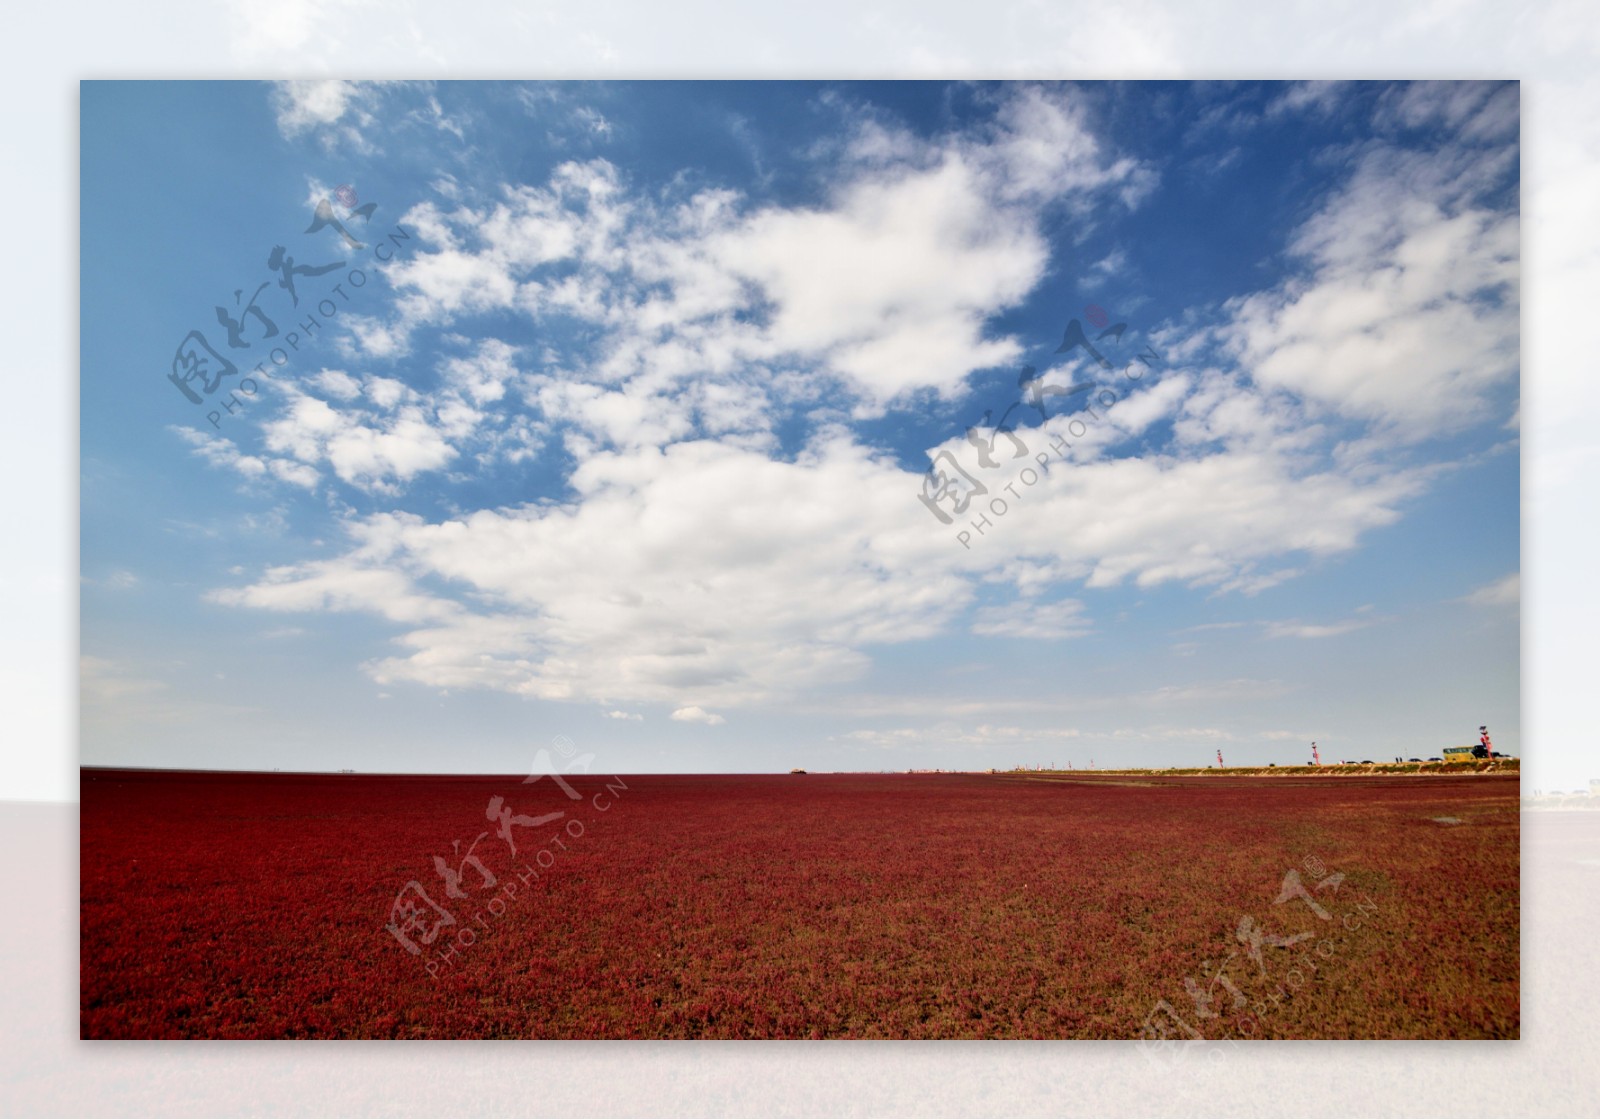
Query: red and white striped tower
[(1220, 763), (1316, 759)]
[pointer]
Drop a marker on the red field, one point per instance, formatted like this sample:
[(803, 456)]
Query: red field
[(816, 906)]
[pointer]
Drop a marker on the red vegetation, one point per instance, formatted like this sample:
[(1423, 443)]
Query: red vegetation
[(850, 906)]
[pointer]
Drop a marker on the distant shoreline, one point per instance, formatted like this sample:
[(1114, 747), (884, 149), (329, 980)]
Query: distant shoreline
[(1329, 770), (1508, 766)]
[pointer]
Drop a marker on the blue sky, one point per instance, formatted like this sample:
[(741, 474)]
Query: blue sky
[(625, 439)]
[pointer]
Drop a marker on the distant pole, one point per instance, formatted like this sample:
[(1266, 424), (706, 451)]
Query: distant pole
[(1316, 759), (1220, 763)]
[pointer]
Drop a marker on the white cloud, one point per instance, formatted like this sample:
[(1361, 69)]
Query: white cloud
[(951, 734), (221, 452), (893, 285), (336, 112), (340, 587), (483, 376), (567, 120), (615, 714), (710, 573), (1408, 315), (1028, 619), (887, 286), (1486, 111), (1296, 629), (689, 563), (377, 433), (1503, 592), (432, 113), (1202, 520), (360, 580), (1319, 98), (593, 121), (396, 447), (622, 419), (337, 383), (1103, 269), (1055, 706), (696, 714)]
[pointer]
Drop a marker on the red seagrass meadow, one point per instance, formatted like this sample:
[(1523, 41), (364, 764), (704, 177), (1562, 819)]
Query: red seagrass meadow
[(218, 905)]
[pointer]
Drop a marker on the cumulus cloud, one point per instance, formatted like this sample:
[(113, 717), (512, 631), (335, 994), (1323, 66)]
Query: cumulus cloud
[(402, 442), (343, 586), (887, 287), (712, 572), (1406, 310), (482, 377), (378, 433), (221, 452), (696, 714), (690, 557), (703, 569)]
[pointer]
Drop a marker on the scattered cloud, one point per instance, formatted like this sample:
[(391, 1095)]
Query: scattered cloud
[(1028, 619), (714, 570), (947, 734), (696, 714), (221, 452), (1473, 111), (1316, 98), (1296, 629), (120, 580), (1503, 592), (1112, 264), (1406, 310), (337, 113), (886, 288), (704, 544)]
